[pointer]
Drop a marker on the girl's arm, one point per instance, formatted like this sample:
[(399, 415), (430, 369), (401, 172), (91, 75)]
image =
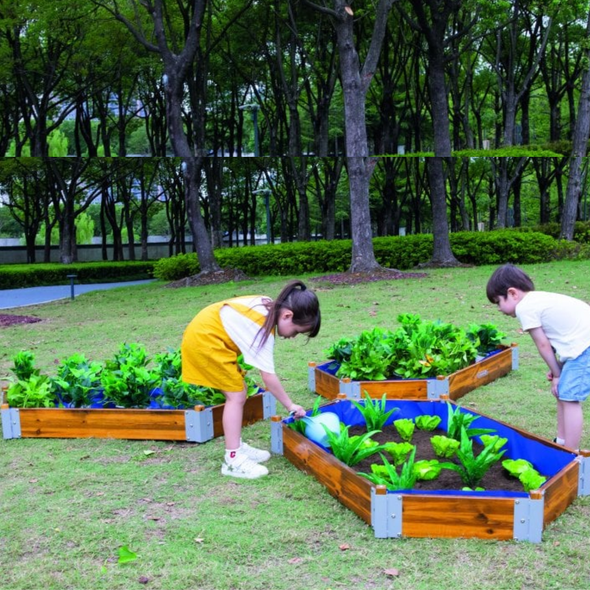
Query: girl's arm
[(548, 355), (273, 384)]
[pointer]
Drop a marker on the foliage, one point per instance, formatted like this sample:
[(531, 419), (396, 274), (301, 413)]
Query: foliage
[(388, 476), (427, 470), (486, 337), (496, 441), (398, 451), (24, 365), (405, 428), (426, 422), (176, 393), (444, 446), (76, 381), (374, 412), (530, 478), (473, 468), (168, 365), (34, 392), (458, 420), (352, 449)]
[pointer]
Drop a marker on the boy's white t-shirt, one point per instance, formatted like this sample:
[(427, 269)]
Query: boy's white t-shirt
[(244, 333), (564, 319)]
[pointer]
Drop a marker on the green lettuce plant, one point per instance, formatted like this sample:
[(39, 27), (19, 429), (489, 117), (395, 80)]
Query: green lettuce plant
[(444, 446), (516, 466), (374, 412), (472, 468), (426, 422), (495, 440), (486, 337), (405, 428), (388, 476), (24, 365), (427, 470), (398, 451), (530, 478), (352, 449)]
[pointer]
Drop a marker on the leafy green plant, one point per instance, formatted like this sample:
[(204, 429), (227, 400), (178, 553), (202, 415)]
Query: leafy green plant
[(405, 427), (426, 422), (76, 381), (530, 478), (486, 337), (374, 412), (457, 421), (352, 449), (398, 451), (130, 386), (24, 365), (176, 393), (34, 392), (495, 440), (473, 468), (427, 470), (388, 476), (168, 365), (444, 446), (132, 354)]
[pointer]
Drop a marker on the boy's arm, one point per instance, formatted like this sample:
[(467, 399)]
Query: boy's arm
[(548, 355)]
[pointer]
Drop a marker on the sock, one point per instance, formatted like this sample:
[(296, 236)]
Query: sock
[(230, 455), (559, 441)]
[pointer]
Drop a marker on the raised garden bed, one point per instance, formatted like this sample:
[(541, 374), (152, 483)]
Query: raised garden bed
[(497, 514), (195, 425), (322, 379)]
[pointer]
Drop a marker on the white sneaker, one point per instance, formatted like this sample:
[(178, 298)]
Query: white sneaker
[(254, 454), (243, 467)]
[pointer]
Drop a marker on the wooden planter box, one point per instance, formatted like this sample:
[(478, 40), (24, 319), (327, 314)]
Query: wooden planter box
[(323, 381), (197, 425), (483, 515)]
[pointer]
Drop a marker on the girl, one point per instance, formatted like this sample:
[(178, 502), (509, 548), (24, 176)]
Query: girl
[(246, 325)]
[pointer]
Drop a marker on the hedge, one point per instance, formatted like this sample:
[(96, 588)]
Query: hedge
[(401, 252), (16, 276)]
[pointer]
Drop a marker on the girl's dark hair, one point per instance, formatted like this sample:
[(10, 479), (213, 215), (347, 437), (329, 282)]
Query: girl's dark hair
[(504, 278), (304, 304)]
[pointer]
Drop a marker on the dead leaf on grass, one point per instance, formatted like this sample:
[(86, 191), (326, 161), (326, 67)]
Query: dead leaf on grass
[(391, 572), (295, 560), (344, 547), (199, 540), (143, 579)]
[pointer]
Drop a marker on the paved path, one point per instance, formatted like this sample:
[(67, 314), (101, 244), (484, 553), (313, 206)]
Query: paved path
[(35, 295)]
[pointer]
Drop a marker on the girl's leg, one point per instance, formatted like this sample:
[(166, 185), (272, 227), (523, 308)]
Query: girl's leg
[(560, 423), (573, 419), (232, 418)]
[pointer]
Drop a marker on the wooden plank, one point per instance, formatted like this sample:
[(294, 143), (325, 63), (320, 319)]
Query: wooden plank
[(415, 389), (326, 385), (457, 516), (479, 374), (341, 482), (560, 491), (104, 423), (253, 412)]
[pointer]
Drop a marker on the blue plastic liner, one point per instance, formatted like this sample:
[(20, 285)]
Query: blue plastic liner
[(547, 460)]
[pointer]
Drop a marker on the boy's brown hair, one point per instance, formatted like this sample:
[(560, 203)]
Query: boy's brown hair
[(504, 278)]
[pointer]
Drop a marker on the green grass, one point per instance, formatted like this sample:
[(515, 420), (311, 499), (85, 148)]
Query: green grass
[(67, 506)]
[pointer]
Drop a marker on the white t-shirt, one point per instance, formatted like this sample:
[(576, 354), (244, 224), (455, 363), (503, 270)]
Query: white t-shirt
[(565, 321), (243, 331)]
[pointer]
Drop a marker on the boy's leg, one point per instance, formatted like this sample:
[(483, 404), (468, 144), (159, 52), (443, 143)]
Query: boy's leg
[(572, 422)]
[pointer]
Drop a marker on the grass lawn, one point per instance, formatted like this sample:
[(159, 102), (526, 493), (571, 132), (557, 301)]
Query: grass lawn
[(67, 506)]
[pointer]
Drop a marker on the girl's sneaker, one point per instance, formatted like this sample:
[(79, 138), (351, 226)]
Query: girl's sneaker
[(254, 454), (243, 467)]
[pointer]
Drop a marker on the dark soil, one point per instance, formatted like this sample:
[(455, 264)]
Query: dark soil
[(496, 478), (227, 275), (11, 320)]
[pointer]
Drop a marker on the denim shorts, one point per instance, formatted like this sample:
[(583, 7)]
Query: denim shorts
[(574, 382)]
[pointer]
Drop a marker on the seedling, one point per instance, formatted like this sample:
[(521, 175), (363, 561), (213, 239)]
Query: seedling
[(374, 412)]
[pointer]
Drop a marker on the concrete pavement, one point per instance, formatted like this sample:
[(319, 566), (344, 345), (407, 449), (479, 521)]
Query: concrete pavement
[(10, 298)]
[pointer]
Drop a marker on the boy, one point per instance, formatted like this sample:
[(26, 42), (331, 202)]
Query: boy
[(560, 327)]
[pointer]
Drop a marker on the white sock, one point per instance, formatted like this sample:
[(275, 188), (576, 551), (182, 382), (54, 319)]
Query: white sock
[(230, 455), (559, 441)]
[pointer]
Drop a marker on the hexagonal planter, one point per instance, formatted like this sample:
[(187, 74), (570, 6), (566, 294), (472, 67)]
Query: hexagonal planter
[(196, 425), (494, 514), (322, 379)]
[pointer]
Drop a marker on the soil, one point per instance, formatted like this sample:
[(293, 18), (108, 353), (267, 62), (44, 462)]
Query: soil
[(227, 275), (497, 478), (11, 320)]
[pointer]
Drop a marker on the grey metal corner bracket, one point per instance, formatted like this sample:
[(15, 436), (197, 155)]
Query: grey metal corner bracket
[(276, 437), (269, 405), (437, 387), (11, 423), (198, 425), (528, 519), (584, 479), (311, 378), (514, 358), (386, 514)]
